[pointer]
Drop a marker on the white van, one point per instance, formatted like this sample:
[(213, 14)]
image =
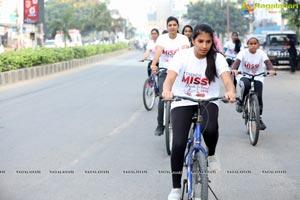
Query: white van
[(75, 37)]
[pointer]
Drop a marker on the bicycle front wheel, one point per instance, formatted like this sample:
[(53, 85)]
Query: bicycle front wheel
[(253, 119), (168, 126), (149, 94), (200, 177)]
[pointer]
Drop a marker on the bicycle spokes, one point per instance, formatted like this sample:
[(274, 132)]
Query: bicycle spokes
[(149, 94), (253, 120)]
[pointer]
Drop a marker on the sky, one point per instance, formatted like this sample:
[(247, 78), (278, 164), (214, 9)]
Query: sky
[(134, 10)]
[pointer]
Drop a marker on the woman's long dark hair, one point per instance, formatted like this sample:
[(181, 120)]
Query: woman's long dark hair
[(182, 32), (238, 43), (211, 71)]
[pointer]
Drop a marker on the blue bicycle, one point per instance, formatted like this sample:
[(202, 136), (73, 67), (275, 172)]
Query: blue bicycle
[(195, 160)]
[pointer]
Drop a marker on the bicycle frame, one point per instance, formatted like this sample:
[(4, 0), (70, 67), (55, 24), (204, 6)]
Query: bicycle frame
[(252, 89), (250, 93), (251, 109), (194, 145), (194, 142)]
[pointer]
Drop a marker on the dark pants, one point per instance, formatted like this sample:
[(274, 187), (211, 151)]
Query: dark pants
[(149, 68), (161, 79), (245, 85), (293, 63), (230, 61), (181, 121)]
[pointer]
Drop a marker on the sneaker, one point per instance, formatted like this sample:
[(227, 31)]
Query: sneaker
[(159, 130), (175, 194), (239, 107), (213, 164), (262, 125)]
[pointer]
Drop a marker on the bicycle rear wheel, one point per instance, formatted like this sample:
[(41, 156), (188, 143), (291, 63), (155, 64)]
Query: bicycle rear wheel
[(253, 119), (168, 126), (200, 177), (149, 94)]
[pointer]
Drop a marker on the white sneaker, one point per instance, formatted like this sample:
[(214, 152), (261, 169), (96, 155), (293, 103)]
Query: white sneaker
[(213, 164), (175, 194)]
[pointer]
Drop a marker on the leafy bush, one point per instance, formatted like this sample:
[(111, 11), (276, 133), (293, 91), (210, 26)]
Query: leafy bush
[(42, 56)]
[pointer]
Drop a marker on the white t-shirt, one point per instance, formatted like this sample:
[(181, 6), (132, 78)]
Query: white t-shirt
[(191, 80), (170, 47), (252, 63), (151, 46), (230, 49)]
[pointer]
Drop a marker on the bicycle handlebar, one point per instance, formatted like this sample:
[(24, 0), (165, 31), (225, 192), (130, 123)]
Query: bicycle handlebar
[(253, 75), (179, 98)]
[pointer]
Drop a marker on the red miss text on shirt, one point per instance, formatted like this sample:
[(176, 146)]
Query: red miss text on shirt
[(195, 80), (170, 52), (251, 66)]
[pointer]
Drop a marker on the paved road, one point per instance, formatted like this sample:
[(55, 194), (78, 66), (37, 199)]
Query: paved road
[(85, 135)]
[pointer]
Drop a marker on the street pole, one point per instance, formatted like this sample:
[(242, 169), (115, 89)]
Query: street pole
[(228, 22), (19, 24)]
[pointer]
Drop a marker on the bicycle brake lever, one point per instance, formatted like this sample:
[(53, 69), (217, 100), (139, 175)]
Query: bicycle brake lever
[(238, 98)]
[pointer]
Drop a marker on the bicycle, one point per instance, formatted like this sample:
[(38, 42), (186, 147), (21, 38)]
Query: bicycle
[(168, 126), (250, 109), (195, 159), (150, 89)]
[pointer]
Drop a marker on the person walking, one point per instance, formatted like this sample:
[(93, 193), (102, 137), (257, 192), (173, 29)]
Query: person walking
[(292, 53)]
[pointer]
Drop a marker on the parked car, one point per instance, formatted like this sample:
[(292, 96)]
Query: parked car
[(50, 44), (275, 47)]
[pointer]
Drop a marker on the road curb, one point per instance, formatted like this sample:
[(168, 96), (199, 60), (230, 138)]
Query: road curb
[(23, 74)]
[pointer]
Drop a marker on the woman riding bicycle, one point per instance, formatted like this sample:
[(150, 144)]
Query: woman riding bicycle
[(150, 49), (231, 49), (196, 72), (166, 47), (252, 61), (188, 32)]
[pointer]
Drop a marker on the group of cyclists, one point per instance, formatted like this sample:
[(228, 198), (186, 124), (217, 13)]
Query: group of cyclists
[(195, 65)]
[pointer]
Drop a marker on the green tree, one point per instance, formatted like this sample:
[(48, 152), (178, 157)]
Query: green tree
[(89, 16), (96, 17), (58, 16), (64, 23), (215, 15), (293, 16)]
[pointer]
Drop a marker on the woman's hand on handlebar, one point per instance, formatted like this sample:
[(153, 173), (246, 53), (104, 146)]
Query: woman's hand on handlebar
[(234, 72), (167, 95), (230, 95), (272, 72), (154, 69)]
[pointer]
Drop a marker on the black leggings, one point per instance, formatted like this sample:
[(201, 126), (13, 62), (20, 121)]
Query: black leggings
[(160, 115), (181, 121), (245, 85)]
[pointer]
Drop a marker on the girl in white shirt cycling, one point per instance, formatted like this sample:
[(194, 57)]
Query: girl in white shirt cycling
[(167, 45), (150, 49), (252, 61), (188, 32), (232, 47), (196, 72)]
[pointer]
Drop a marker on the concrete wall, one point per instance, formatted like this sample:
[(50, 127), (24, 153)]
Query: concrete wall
[(15, 76)]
